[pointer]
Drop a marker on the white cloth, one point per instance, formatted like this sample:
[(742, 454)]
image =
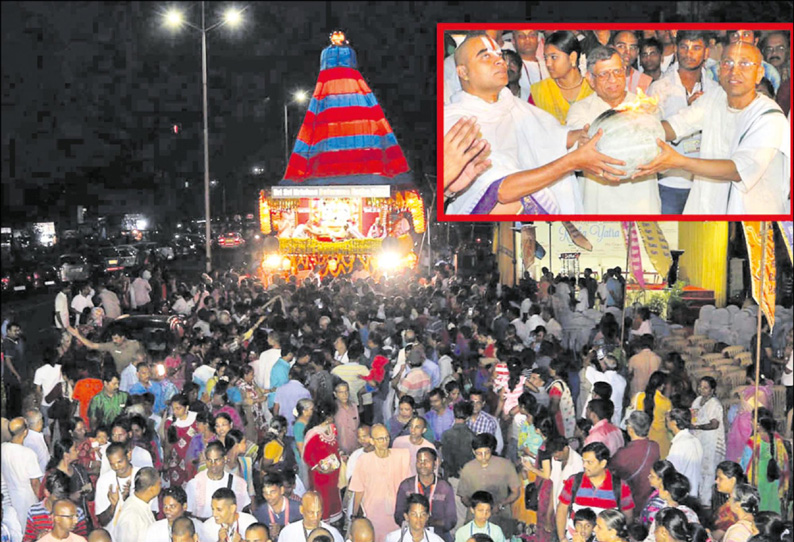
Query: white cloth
[(404, 535), (582, 301), (35, 441), (522, 330), (140, 291), (159, 532), (672, 97), (534, 321), (111, 304), (211, 527), (788, 379), (712, 442), (47, 377), (19, 466), (530, 74), (686, 455), (79, 303), (62, 308), (181, 306), (264, 365), (618, 384), (129, 377), (134, 521), (559, 473), (294, 532), (762, 157), (522, 137), (10, 519), (451, 79), (102, 502), (239, 486), (640, 196), (140, 458)]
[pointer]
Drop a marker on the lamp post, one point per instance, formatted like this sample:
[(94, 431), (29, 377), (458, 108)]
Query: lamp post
[(175, 19), (300, 97)]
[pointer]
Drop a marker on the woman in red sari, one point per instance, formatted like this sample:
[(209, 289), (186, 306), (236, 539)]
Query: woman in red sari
[(179, 430), (321, 454)]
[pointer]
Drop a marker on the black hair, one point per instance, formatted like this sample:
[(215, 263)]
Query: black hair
[(679, 527), (656, 381), (177, 493), (566, 41), (484, 440), (711, 381), (481, 497), (615, 520), (273, 478), (771, 524), (603, 408), (732, 470), (681, 417), (145, 478), (603, 389), (747, 497), (417, 498), (677, 485), (59, 449), (462, 410), (652, 42), (217, 446), (224, 493), (57, 484), (599, 449), (585, 514)]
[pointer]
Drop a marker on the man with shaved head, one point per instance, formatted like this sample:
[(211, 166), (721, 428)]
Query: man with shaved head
[(531, 170), (64, 520), (377, 479), (136, 516), (184, 530), (312, 511), (257, 532), (101, 535), (744, 164), (361, 530), (20, 468)]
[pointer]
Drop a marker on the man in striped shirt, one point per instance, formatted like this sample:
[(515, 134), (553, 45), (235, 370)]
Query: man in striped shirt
[(592, 489), (39, 521)]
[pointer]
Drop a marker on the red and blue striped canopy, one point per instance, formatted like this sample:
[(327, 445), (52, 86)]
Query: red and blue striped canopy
[(345, 138)]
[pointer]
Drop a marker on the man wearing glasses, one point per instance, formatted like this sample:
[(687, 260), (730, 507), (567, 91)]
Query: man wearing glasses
[(416, 521), (745, 148), (776, 52), (606, 73), (64, 522)]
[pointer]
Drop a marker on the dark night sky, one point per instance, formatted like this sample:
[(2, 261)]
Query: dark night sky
[(91, 90)]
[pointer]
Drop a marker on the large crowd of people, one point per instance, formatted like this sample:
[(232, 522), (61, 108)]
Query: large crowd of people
[(422, 407), (518, 106)]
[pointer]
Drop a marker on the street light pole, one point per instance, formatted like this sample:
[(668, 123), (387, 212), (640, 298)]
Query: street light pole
[(208, 224), (175, 19)]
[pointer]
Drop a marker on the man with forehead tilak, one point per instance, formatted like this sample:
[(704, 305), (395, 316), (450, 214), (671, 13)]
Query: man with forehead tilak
[(531, 170), (746, 144)]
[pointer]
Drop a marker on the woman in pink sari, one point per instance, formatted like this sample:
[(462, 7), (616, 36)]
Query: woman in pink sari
[(321, 455), (742, 426)]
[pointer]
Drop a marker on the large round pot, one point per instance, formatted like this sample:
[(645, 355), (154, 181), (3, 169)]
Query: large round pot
[(629, 136)]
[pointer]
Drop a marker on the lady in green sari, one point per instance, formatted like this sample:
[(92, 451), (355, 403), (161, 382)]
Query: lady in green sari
[(765, 446)]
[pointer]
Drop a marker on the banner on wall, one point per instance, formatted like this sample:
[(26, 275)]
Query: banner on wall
[(528, 245), (758, 244), (577, 237)]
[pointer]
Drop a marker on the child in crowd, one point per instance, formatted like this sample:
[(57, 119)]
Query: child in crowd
[(481, 508)]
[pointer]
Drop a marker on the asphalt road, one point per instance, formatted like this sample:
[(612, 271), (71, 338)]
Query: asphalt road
[(34, 312)]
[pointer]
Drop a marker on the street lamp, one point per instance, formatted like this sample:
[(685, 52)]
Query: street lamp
[(299, 96), (174, 19)]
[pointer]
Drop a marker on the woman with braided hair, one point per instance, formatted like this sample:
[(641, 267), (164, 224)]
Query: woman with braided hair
[(611, 526), (672, 525)]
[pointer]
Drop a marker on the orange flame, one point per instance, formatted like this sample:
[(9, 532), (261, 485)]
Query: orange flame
[(338, 38), (643, 103)]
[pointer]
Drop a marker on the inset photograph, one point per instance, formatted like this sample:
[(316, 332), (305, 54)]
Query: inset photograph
[(688, 122)]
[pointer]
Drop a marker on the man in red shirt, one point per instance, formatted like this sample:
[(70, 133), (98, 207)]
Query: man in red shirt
[(40, 515), (595, 488)]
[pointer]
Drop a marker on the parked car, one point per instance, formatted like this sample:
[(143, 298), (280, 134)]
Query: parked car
[(161, 252), (230, 239), (73, 267), (23, 277), (128, 256), (107, 259), (158, 333)]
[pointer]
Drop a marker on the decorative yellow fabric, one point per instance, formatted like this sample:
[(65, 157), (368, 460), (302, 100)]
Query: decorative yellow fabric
[(705, 260), (656, 246), (504, 241), (548, 96), (274, 451), (759, 241)]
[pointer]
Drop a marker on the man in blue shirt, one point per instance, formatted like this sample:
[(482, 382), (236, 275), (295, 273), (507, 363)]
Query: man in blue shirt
[(145, 385)]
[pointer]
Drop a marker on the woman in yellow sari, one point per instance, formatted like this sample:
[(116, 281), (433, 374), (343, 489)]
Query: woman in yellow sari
[(657, 406), (565, 84)]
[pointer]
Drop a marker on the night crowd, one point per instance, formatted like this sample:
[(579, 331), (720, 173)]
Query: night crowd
[(422, 407)]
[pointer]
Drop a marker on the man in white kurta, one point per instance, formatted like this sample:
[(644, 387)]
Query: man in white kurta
[(136, 515), (20, 469), (201, 488), (529, 45), (686, 452), (607, 75), (528, 145), (745, 152), (675, 89)]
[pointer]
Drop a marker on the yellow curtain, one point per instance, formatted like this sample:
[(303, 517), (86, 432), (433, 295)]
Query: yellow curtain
[(705, 260), (505, 249)]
